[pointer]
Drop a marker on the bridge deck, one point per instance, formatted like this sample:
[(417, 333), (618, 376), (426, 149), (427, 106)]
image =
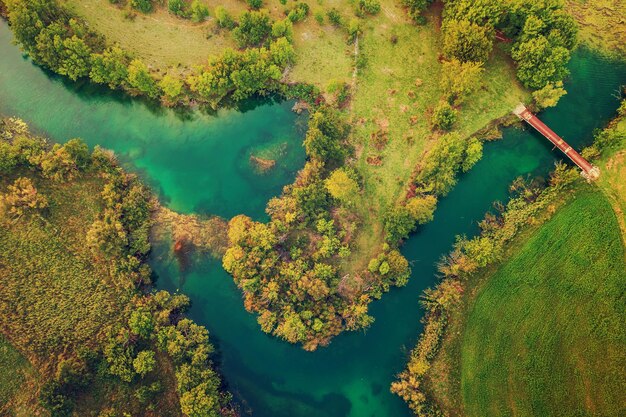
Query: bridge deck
[(523, 113)]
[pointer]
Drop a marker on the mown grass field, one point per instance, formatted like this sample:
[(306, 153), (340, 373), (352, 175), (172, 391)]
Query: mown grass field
[(545, 335)]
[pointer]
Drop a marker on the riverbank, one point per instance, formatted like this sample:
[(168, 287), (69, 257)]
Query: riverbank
[(546, 253)]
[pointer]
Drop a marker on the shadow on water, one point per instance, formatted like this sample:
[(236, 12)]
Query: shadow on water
[(195, 162)]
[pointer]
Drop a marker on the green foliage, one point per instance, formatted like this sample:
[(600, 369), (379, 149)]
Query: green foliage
[(140, 78), (199, 11), (540, 63), (342, 187), (369, 6), (144, 6), (438, 172), (549, 95), (22, 198), (171, 86), (323, 139), (444, 116), (178, 7), (223, 18), (283, 29), (144, 363), (299, 13), (254, 28), (399, 222), (466, 41), (334, 17), (255, 4), (460, 79), (415, 9), (110, 67)]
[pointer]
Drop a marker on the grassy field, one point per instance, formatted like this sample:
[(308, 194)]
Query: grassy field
[(166, 41), (395, 93), (16, 384), (602, 24), (613, 178), (54, 295), (545, 334)]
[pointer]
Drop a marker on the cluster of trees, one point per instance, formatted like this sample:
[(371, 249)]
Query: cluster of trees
[(415, 9), (434, 177), (542, 31), (196, 11), (55, 39), (466, 259), (609, 139), (149, 332), (288, 268)]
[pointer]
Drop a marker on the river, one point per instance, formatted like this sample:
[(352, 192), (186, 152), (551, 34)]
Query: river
[(200, 163)]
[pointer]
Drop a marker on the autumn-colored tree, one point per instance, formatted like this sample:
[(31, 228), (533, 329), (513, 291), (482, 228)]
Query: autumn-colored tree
[(22, 198)]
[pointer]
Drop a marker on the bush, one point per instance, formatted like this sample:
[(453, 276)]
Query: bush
[(144, 6), (466, 41), (369, 6), (223, 18), (255, 4), (199, 11), (444, 116), (254, 28)]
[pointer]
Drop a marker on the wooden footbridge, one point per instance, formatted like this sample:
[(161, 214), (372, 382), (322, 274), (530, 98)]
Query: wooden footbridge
[(589, 171)]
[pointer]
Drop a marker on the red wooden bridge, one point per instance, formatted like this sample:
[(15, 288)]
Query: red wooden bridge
[(588, 171)]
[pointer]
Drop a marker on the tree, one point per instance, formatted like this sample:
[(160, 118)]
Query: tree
[(466, 41), (141, 323), (177, 7), (76, 58), (549, 95), (171, 86), (399, 222), (107, 236), (473, 153), (22, 198), (223, 18), (539, 63), (254, 28), (144, 363), (282, 53), (422, 208), (144, 6), (444, 116), (459, 79), (110, 67), (199, 11), (255, 4), (198, 402), (342, 187), (64, 162), (9, 157), (283, 29), (140, 78)]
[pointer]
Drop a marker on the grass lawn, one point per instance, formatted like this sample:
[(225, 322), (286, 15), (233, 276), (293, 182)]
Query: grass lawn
[(545, 335)]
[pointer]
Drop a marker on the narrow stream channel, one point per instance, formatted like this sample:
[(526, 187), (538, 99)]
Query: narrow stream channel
[(200, 163)]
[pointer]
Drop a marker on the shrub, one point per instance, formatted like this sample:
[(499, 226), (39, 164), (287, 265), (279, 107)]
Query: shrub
[(255, 4), (369, 6), (223, 18), (144, 6), (444, 116), (254, 28)]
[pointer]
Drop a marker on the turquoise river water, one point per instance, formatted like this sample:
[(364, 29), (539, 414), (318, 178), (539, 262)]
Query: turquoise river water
[(200, 163)]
